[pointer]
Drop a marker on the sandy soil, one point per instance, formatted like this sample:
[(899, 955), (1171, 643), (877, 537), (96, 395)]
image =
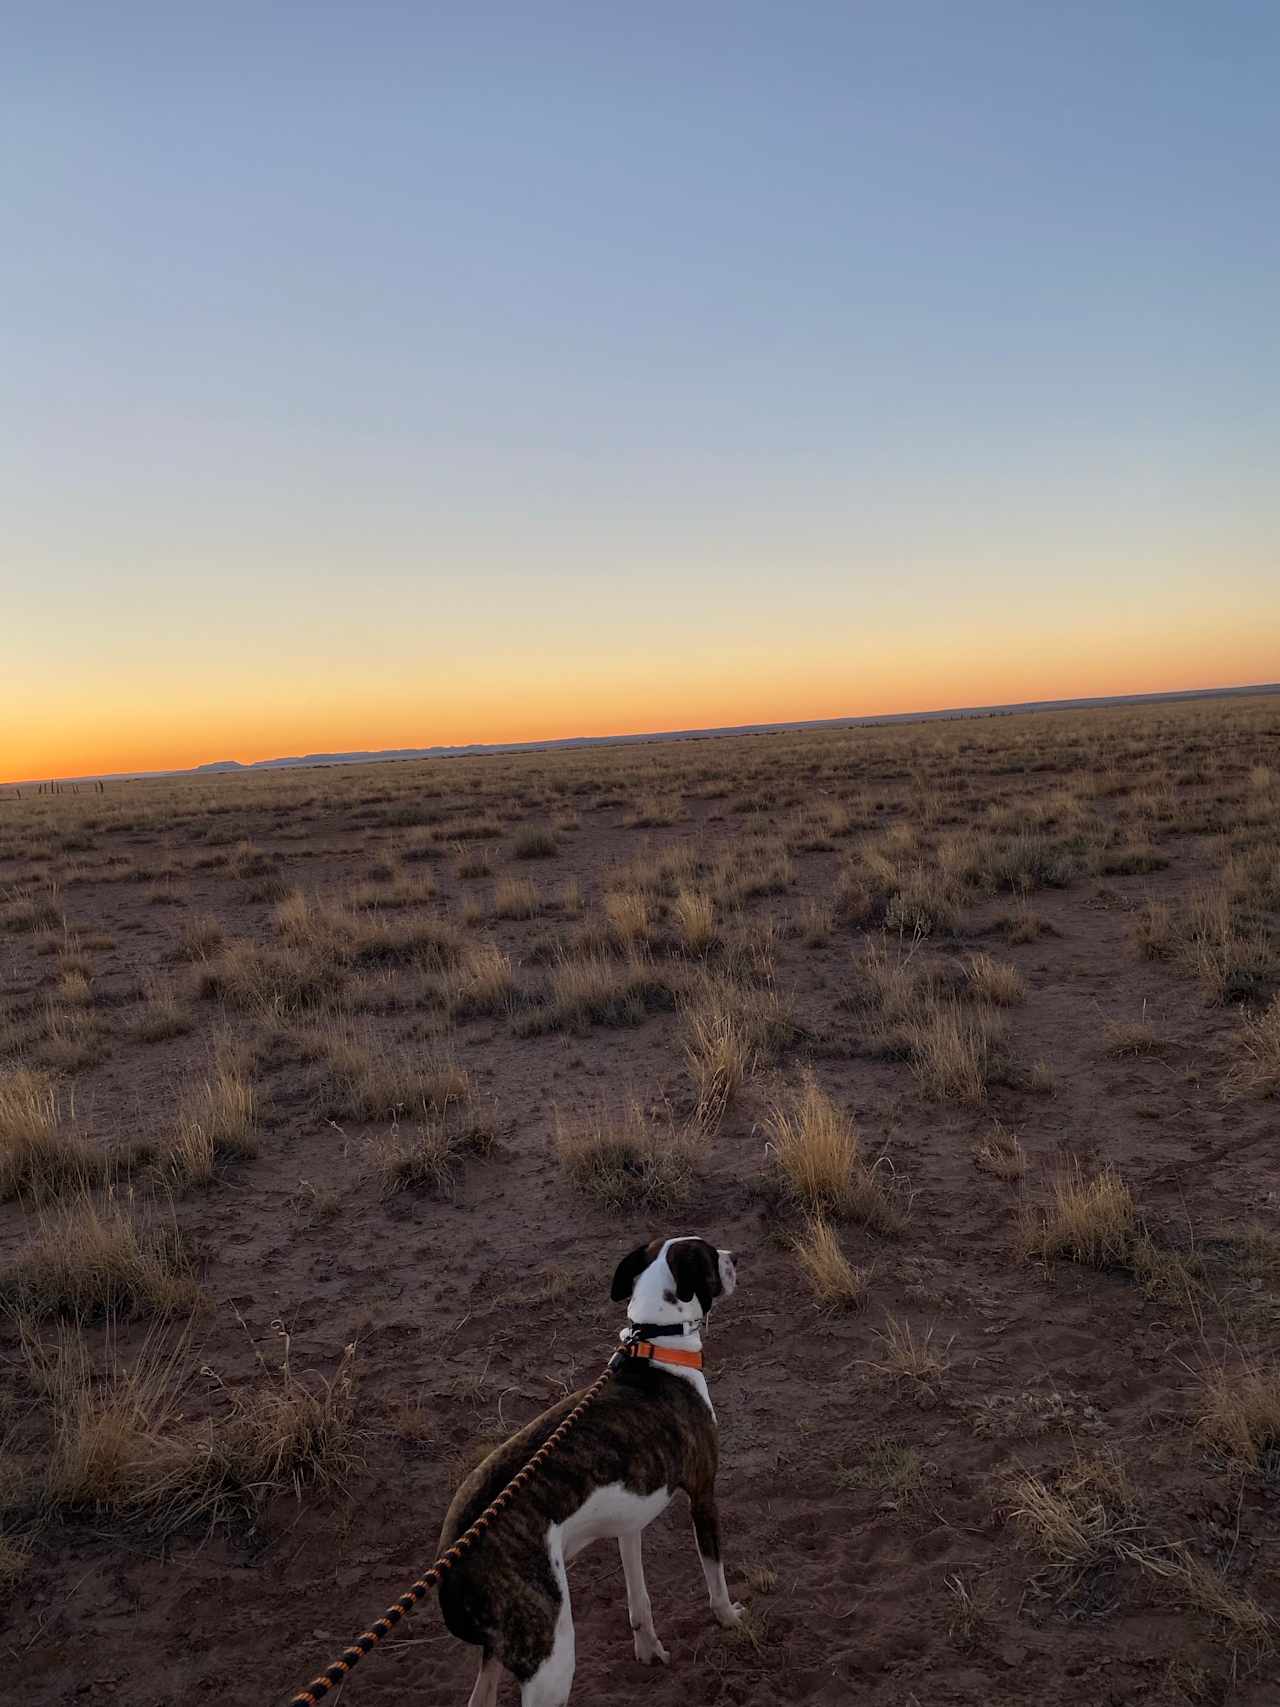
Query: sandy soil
[(474, 1308)]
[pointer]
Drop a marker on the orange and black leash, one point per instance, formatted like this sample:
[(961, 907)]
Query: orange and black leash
[(334, 1674)]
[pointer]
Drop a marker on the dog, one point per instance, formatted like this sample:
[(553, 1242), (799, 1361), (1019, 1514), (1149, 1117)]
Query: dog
[(651, 1431)]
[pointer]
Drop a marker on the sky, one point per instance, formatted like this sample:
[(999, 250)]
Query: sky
[(400, 374)]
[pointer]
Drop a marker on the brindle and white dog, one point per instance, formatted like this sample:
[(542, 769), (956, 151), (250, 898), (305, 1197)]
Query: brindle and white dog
[(651, 1431)]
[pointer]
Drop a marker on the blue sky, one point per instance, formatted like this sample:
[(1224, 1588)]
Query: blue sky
[(722, 342)]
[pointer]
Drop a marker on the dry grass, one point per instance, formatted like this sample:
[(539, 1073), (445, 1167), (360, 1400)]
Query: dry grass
[(123, 1447), (93, 1256), (906, 1355), (1090, 1218), (475, 863), (535, 841), (832, 1277), (71, 1040), (484, 985), (330, 935), (814, 922), (1255, 1069), (15, 1556), (216, 1121), (30, 913), (515, 898), (1239, 1411), (890, 1467), (951, 1048), (600, 989), (200, 937), (694, 913), (1080, 1516), (627, 917), (162, 1015), (1086, 1515), (1128, 1039), (368, 1079), (816, 1148), (40, 1156), (718, 1052), (652, 812), (1000, 1152), (394, 889), (625, 1160), (425, 1156), (990, 980), (74, 989)]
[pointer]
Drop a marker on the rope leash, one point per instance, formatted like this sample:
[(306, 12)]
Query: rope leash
[(333, 1675)]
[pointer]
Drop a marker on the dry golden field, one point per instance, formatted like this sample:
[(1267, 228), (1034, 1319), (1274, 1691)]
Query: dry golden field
[(330, 1098)]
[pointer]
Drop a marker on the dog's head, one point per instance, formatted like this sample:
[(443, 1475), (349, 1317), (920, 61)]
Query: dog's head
[(673, 1280)]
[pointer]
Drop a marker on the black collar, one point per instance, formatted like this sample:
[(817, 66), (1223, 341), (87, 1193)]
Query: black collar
[(659, 1330)]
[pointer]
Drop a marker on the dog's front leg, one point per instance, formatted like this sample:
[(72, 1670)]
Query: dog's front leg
[(706, 1529), (640, 1612)]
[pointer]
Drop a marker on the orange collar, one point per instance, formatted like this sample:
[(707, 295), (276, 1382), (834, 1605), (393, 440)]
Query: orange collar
[(664, 1354)]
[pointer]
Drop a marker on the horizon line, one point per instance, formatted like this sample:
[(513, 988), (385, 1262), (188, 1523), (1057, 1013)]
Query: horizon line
[(393, 755)]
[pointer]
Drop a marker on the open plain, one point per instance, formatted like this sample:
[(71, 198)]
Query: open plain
[(329, 1100)]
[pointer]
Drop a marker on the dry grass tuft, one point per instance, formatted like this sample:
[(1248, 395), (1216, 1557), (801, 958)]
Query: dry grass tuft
[(1079, 1517), (833, 1278), (1239, 1411), (535, 841), (474, 863), (1255, 1070), (906, 1355), (425, 1156), (1131, 1038), (162, 1015), (816, 1148), (200, 938), (123, 1448), (39, 1157), (515, 898), (1089, 1219), (626, 913), (1000, 1152), (890, 1467), (718, 1051), (368, 1079), (731, 1029), (91, 1257), (625, 1160), (600, 989), (951, 1048), (217, 1120), (995, 981), (814, 922), (1086, 1515), (484, 985)]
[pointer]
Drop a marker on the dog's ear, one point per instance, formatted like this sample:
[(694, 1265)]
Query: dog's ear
[(624, 1276), (696, 1268)]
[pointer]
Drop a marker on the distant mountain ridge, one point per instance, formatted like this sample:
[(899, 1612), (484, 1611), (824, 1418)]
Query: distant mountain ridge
[(224, 767)]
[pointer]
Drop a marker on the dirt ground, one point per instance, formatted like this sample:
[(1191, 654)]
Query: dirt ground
[(869, 1522)]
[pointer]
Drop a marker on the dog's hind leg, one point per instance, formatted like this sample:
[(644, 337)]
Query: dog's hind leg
[(706, 1529), (485, 1693), (550, 1684), (648, 1647)]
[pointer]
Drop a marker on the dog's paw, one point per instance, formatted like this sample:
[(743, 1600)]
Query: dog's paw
[(731, 1614), (649, 1650)]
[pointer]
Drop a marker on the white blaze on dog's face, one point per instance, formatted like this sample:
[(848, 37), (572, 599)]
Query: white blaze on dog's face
[(674, 1280)]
